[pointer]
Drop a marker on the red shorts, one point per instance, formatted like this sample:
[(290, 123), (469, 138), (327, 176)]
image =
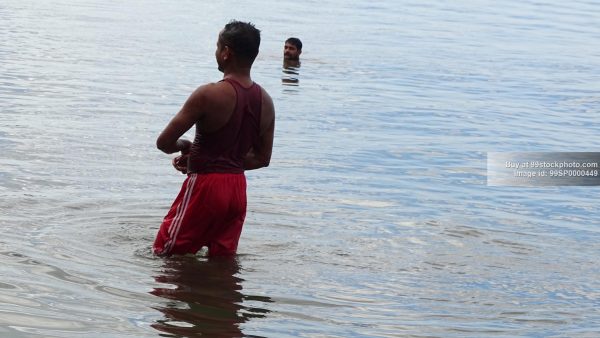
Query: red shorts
[(209, 211)]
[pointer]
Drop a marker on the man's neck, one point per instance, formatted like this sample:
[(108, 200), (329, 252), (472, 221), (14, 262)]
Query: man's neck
[(291, 63), (240, 75)]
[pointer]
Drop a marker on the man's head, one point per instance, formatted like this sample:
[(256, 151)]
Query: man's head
[(238, 44), (292, 49)]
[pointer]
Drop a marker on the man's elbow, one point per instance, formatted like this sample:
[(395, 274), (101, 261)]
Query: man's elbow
[(264, 159), (162, 145), (266, 162), (256, 162)]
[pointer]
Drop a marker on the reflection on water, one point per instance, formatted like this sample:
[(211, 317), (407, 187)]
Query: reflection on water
[(204, 298), (374, 219), (291, 73)]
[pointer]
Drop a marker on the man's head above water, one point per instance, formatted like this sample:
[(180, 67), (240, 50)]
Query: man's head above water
[(292, 49)]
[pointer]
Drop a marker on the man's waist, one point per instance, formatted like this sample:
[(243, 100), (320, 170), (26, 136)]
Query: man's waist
[(215, 167)]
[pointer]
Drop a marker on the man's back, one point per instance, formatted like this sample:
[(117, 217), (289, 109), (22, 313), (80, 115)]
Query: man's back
[(232, 132), (210, 107)]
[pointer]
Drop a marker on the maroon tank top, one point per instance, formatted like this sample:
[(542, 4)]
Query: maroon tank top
[(224, 150)]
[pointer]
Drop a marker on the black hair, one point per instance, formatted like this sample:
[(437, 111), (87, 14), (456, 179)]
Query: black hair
[(296, 42), (243, 38)]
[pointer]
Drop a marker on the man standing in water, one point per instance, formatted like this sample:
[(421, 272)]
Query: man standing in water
[(291, 52), (235, 121), (291, 61)]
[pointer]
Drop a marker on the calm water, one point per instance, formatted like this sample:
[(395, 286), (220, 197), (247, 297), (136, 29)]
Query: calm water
[(374, 219)]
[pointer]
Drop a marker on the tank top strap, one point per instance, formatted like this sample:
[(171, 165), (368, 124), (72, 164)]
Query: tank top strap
[(246, 94), (238, 85)]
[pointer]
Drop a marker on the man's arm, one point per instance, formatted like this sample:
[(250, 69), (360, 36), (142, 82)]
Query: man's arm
[(190, 113), (260, 155)]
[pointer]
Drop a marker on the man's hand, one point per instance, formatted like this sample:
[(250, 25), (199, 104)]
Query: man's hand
[(180, 163), (184, 146)]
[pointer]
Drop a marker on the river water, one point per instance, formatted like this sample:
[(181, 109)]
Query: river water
[(374, 218)]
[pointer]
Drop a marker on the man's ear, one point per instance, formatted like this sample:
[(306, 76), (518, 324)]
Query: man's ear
[(228, 52)]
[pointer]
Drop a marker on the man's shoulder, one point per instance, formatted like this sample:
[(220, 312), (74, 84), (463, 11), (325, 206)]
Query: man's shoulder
[(211, 87), (266, 98), (213, 91)]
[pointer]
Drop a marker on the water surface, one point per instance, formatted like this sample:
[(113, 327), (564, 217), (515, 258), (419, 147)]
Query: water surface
[(374, 219)]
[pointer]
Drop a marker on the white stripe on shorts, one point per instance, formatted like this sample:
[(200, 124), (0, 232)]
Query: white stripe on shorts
[(181, 209)]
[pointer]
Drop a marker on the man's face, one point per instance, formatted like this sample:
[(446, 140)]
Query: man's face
[(290, 52)]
